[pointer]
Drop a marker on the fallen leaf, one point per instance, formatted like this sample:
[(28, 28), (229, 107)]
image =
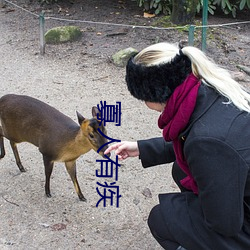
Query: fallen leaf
[(58, 227), (146, 192), (147, 15)]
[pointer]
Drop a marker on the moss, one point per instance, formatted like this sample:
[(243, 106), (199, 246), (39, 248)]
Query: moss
[(63, 34), (163, 22)]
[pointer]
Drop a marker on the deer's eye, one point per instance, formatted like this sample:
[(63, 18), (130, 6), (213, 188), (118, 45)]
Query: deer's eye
[(91, 136)]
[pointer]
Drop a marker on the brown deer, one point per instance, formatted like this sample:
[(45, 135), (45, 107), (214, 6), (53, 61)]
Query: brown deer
[(58, 138)]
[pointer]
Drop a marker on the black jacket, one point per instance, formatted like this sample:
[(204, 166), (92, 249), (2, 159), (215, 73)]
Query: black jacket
[(216, 145)]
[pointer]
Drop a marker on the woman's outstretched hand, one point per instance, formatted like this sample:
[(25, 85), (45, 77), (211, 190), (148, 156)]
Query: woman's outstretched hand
[(124, 149)]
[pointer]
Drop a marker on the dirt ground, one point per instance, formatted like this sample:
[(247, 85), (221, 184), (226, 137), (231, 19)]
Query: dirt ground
[(77, 76)]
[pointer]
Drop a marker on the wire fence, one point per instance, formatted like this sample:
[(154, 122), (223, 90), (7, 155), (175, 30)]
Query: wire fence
[(191, 28)]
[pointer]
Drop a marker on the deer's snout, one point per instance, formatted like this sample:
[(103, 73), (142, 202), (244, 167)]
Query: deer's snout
[(101, 152)]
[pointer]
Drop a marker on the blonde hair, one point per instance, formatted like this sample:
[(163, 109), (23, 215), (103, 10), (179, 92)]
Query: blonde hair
[(202, 67)]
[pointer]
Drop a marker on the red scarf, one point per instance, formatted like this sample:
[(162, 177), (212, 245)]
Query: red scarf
[(174, 119)]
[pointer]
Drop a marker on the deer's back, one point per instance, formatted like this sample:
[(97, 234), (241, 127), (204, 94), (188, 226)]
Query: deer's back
[(24, 118)]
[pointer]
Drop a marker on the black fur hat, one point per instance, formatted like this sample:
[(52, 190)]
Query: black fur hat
[(156, 83)]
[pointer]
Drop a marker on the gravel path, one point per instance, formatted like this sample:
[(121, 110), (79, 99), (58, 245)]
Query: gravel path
[(70, 80)]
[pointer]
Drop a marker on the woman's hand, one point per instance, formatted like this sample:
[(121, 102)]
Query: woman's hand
[(124, 149)]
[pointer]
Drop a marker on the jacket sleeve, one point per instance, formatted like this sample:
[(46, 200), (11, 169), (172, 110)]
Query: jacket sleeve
[(155, 151), (220, 173)]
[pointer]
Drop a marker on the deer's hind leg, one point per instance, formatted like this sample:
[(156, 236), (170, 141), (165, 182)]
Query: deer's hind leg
[(16, 154), (71, 168), (1, 144)]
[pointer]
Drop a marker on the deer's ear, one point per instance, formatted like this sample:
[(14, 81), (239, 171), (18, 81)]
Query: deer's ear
[(80, 118), (95, 112)]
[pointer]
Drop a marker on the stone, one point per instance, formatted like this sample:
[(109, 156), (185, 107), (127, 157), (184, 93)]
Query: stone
[(121, 58), (147, 193), (239, 76), (63, 34)]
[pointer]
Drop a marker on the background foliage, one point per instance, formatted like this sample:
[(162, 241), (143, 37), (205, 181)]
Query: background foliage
[(165, 6), (227, 6)]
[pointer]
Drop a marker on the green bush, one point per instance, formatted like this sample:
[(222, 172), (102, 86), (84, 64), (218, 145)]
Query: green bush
[(232, 6), (211, 7), (156, 6), (165, 6)]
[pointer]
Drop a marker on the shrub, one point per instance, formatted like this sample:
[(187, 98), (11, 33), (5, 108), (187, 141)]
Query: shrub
[(157, 6), (165, 6)]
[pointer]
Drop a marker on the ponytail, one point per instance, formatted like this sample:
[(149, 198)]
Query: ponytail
[(218, 78)]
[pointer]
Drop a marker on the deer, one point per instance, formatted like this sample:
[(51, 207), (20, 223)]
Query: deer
[(58, 138)]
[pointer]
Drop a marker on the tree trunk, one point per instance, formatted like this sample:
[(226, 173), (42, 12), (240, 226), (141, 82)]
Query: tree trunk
[(183, 11)]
